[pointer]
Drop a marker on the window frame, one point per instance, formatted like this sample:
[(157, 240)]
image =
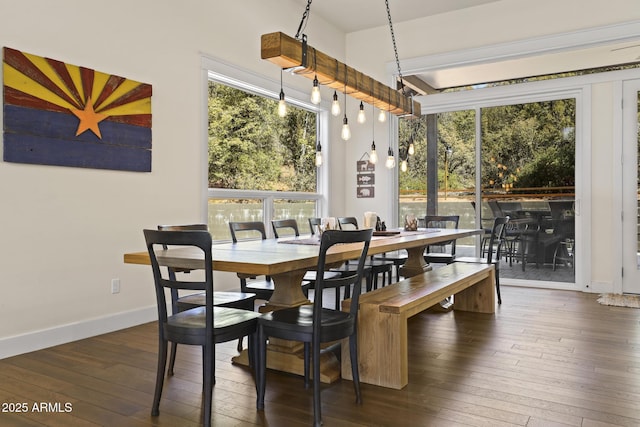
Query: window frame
[(578, 88), (220, 72)]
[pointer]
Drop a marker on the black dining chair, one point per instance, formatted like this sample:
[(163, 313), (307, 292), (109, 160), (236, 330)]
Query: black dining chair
[(204, 326), (310, 276), (493, 252), (443, 252), (377, 266), (289, 224), (313, 324), (398, 258), (263, 288), (313, 224), (368, 275), (486, 224), (241, 300)]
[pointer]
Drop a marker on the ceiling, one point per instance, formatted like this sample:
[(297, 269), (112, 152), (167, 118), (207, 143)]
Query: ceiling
[(356, 15)]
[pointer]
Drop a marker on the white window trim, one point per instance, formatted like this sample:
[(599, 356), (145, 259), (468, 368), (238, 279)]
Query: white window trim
[(531, 47)]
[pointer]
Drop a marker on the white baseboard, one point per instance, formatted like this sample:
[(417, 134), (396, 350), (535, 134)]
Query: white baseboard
[(595, 287), (539, 284), (600, 288), (44, 338)]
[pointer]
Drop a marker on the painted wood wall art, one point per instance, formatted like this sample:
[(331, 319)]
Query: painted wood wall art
[(65, 115), (366, 178)]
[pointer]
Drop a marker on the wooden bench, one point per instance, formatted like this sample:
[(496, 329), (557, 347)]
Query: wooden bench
[(383, 314)]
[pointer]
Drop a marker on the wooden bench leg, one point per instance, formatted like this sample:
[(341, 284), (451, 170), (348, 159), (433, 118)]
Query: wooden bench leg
[(382, 349), (479, 298), (382, 335)]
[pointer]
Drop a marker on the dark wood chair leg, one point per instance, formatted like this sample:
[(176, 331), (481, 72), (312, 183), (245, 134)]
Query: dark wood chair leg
[(347, 294), (355, 373), (172, 357), (251, 350), (208, 381), (162, 364), (317, 405), (307, 357), (261, 371), (498, 286)]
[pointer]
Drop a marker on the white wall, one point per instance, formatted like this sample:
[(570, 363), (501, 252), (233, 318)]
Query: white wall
[(603, 195), (66, 229)]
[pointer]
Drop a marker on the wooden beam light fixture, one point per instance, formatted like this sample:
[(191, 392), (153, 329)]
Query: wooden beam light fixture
[(291, 54)]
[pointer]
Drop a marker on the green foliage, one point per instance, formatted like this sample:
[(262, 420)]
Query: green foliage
[(457, 131), (523, 145), (251, 147), (529, 145), (552, 168), (414, 180)]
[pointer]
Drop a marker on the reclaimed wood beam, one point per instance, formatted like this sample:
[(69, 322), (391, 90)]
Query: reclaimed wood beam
[(287, 52)]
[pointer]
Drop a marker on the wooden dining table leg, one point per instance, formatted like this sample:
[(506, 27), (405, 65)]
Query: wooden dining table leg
[(285, 355), (287, 291), (415, 263)]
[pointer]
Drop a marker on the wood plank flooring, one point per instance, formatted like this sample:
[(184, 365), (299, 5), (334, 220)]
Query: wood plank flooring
[(546, 358)]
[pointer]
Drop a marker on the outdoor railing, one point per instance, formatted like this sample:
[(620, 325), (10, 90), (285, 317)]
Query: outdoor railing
[(490, 193)]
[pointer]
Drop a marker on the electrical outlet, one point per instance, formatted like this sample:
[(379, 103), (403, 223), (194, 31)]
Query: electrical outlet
[(115, 286)]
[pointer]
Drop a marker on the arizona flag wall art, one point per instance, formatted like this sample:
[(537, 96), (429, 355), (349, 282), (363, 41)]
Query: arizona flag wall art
[(65, 115)]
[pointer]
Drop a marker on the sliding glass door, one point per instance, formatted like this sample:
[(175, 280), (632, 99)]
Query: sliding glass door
[(528, 174), (511, 157)]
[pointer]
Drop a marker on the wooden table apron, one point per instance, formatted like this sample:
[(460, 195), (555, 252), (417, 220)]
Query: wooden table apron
[(287, 263)]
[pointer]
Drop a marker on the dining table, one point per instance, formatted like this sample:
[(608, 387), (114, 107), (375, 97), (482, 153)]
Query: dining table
[(286, 260)]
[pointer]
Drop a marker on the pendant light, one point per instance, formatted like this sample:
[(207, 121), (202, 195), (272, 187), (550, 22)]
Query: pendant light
[(391, 160), (411, 150), (318, 154), (315, 91), (382, 115), (361, 116), (373, 156), (335, 105), (282, 105), (346, 132)]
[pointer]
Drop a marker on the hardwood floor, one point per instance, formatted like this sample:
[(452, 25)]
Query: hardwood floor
[(546, 358)]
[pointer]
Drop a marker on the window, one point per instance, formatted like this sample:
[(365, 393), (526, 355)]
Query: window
[(412, 183), (260, 166)]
